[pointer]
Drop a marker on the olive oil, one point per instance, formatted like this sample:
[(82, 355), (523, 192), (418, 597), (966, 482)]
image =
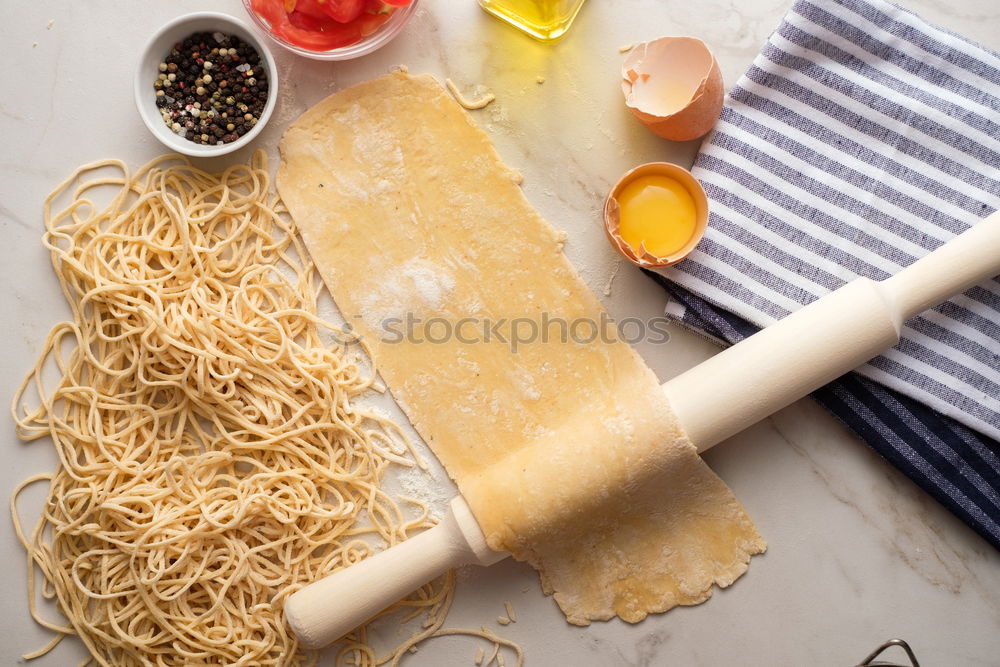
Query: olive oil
[(547, 20)]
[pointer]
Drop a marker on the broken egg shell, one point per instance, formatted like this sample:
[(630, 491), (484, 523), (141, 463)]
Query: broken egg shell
[(673, 85), (612, 215)]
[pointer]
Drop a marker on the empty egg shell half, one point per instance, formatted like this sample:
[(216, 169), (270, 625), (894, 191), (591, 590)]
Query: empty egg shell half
[(674, 86)]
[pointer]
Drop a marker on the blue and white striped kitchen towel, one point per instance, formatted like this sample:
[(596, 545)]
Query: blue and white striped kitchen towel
[(860, 139)]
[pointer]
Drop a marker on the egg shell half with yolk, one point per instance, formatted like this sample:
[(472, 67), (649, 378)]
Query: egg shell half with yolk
[(641, 256)]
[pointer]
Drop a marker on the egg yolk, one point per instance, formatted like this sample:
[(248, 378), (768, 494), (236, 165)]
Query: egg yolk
[(656, 212)]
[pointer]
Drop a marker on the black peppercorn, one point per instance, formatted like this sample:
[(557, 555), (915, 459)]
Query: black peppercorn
[(202, 89)]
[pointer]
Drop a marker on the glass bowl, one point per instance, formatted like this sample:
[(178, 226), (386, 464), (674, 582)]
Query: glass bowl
[(382, 36)]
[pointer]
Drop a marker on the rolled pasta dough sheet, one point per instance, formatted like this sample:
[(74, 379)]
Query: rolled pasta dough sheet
[(566, 451)]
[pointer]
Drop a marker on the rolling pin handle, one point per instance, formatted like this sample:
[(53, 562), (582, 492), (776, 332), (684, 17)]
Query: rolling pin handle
[(326, 610), (825, 339), (964, 261)]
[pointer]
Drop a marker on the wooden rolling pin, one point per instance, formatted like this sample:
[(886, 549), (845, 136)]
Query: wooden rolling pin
[(714, 400)]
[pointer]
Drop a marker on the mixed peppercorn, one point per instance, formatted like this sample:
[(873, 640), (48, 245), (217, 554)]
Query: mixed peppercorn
[(211, 88)]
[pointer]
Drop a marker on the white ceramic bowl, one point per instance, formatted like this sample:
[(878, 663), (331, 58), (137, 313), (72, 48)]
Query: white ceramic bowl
[(159, 47)]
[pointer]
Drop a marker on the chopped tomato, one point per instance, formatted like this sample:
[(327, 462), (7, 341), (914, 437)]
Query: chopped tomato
[(344, 11), (315, 8), (369, 23), (311, 22), (322, 25), (322, 40), (272, 12)]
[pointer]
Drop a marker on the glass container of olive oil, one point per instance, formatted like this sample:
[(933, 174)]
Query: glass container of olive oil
[(547, 20)]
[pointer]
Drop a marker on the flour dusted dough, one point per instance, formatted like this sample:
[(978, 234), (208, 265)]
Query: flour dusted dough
[(567, 453)]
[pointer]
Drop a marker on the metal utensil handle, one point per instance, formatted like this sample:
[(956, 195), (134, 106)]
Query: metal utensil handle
[(869, 661)]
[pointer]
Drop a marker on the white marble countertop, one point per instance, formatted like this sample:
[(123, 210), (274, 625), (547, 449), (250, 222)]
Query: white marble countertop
[(857, 553)]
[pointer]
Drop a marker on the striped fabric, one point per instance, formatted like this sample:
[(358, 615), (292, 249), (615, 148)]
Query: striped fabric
[(860, 139), (957, 466)]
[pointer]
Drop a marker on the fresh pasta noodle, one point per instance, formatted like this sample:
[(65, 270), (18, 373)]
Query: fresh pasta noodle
[(213, 454), (466, 103), (495, 656)]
